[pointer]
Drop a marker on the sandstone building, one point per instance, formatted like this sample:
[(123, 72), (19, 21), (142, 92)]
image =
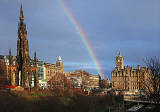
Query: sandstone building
[(50, 70), (83, 79), (126, 77), (46, 71)]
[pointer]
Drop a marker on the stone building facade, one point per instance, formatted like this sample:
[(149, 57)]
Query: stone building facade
[(127, 78), (93, 81), (83, 79), (51, 70), (45, 70), (3, 72)]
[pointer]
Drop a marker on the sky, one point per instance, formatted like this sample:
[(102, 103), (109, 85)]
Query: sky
[(131, 26)]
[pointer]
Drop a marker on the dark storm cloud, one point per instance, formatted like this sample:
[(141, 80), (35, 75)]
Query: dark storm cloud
[(110, 25)]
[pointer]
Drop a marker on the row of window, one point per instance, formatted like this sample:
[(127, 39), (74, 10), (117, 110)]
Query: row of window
[(133, 88)]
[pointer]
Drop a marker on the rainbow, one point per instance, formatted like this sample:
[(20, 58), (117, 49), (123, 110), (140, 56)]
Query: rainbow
[(82, 36)]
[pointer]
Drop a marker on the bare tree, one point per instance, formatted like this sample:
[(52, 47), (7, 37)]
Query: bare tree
[(59, 81), (152, 80), (85, 77), (102, 84)]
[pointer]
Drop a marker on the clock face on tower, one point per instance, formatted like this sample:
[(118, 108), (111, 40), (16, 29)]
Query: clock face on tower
[(118, 60)]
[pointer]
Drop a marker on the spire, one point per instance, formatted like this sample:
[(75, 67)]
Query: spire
[(35, 58), (10, 57), (10, 54), (35, 55), (119, 53), (21, 17)]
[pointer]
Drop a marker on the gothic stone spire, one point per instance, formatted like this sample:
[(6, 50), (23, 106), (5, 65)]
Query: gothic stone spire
[(21, 17), (119, 53), (23, 58), (35, 58), (10, 57)]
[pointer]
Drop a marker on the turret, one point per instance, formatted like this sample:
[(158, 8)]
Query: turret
[(10, 57), (59, 61), (35, 58), (138, 67), (59, 64)]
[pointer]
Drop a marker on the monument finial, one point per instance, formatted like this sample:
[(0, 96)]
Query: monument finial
[(119, 53), (21, 17)]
